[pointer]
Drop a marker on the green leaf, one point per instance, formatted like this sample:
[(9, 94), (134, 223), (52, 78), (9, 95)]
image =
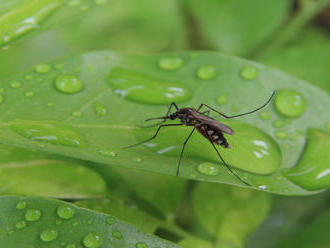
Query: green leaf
[(307, 58), (40, 115), (228, 213), (125, 210), (196, 243), (28, 172), (39, 222), (238, 27)]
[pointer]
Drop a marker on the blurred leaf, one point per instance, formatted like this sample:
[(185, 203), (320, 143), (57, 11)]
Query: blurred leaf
[(196, 243), (86, 227), (96, 121), (228, 213), (238, 27), (307, 58), (124, 210), (27, 172)]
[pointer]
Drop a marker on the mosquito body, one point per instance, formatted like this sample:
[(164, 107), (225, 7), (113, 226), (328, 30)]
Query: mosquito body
[(211, 129)]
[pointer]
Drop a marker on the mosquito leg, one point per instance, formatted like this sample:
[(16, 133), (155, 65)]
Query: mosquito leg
[(228, 167), (233, 116), (181, 155), (207, 112), (155, 135)]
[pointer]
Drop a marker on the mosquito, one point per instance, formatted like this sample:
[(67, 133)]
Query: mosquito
[(211, 129)]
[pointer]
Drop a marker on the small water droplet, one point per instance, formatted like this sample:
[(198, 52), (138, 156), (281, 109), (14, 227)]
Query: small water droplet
[(137, 160), (107, 153), (50, 104), (48, 235), (100, 2), (42, 68), (281, 134), (20, 224), (29, 94), (206, 72), (278, 123), (111, 220), (32, 215), (65, 212), (117, 234), (68, 83), (99, 109), (84, 7), (70, 246), (92, 240), (51, 132), (29, 77), (76, 114), (265, 115), (74, 2), (58, 222), (169, 63), (58, 66), (141, 245), (15, 84), (75, 223), (144, 89), (208, 169), (290, 103), (263, 187), (249, 72), (21, 205), (222, 99), (1, 99), (11, 232)]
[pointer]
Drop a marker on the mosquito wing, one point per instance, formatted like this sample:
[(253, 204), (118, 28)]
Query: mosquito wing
[(222, 127)]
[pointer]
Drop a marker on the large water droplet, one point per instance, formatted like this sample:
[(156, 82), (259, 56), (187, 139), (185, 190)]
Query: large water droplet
[(92, 240), (15, 84), (32, 215), (99, 109), (249, 72), (42, 68), (206, 72), (209, 169), (141, 245), (312, 171), (68, 83), (169, 63), (51, 132), (21, 205), (48, 235), (20, 225), (65, 212), (144, 89), (247, 144), (290, 103), (117, 234)]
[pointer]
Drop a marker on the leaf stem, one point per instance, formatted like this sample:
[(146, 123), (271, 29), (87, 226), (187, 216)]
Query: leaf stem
[(176, 229)]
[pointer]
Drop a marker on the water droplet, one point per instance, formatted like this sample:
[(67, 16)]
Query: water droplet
[(29, 94), (206, 72), (107, 153), (70, 246), (75, 223), (144, 89), (74, 2), (50, 104), (10, 232), (20, 224), (42, 68), (117, 234), (58, 222), (51, 132), (278, 123), (265, 116), (249, 72), (263, 187), (111, 220), (92, 240), (28, 77), (222, 99), (137, 160), (21, 205), (208, 169), (141, 245), (99, 109), (58, 66), (15, 84), (281, 134), (76, 114), (32, 215), (290, 103), (169, 63), (48, 235), (68, 83), (100, 2), (312, 170), (65, 212), (1, 99)]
